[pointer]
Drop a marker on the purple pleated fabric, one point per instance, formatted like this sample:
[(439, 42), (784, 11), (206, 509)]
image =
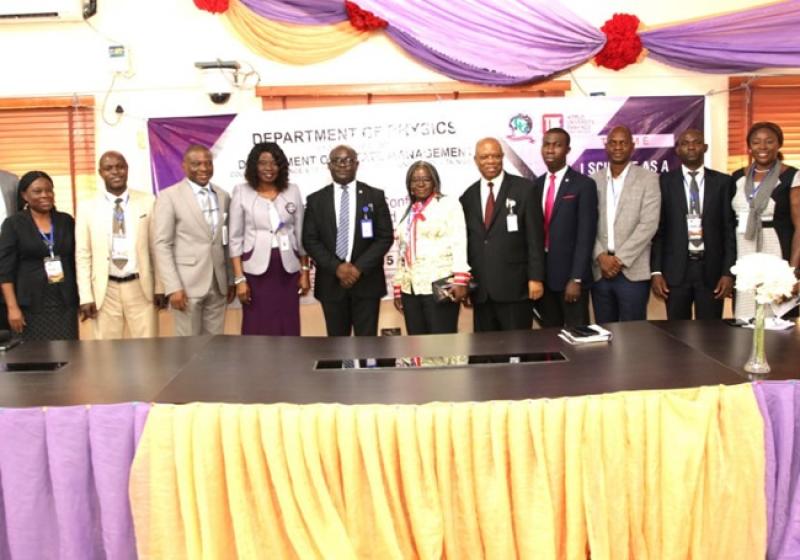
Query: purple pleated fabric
[(508, 43), (779, 402), (64, 481)]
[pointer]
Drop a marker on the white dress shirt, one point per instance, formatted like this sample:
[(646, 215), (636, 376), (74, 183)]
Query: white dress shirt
[(559, 178), (130, 235), (496, 182), (613, 194), (687, 181)]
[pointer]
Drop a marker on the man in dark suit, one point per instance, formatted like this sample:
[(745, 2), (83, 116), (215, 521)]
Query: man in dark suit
[(695, 245), (347, 230), (569, 204), (504, 243)]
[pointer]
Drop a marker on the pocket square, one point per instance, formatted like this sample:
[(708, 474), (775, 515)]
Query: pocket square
[(568, 196)]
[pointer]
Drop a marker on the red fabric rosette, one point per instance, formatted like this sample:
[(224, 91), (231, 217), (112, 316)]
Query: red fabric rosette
[(213, 6), (362, 19), (623, 45)]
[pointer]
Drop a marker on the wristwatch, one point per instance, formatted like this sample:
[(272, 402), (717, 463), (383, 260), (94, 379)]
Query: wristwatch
[(239, 280), (305, 268)]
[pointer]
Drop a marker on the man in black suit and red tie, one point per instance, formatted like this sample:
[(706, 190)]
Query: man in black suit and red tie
[(347, 230), (504, 243), (569, 204), (695, 245)]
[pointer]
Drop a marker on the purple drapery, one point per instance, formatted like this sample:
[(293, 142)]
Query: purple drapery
[(744, 41), (306, 12), (64, 481), (526, 40), (490, 42), (780, 406), (169, 137)]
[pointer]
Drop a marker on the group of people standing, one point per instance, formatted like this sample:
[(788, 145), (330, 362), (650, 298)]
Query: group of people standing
[(510, 248)]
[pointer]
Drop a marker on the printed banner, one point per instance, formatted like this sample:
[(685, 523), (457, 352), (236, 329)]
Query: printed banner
[(389, 137)]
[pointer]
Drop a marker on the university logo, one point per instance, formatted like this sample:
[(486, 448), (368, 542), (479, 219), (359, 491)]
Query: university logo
[(552, 120), (521, 127)]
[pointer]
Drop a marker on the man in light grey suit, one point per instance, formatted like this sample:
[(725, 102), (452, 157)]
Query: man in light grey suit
[(189, 235), (629, 205), (8, 189)]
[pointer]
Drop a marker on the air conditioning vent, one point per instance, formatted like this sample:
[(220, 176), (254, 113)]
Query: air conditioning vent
[(22, 11)]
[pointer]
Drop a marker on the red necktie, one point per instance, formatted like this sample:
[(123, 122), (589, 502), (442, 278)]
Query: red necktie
[(549, 200), (487, 214)]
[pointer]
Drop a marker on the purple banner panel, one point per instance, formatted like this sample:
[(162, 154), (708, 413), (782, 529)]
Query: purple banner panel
[(64, 481), (169, 138), (779, 402), (649, 118)]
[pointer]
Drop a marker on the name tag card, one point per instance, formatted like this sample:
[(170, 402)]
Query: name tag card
[(53, 269), (511, 223), (366, 228)]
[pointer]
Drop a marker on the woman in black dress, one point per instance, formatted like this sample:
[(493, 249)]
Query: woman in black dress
[(37, 265)]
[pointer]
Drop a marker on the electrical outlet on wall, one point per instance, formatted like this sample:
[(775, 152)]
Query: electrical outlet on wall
[(118, 59)]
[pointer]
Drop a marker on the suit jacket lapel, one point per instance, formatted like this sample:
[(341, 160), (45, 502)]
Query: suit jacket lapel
[(221, 213), (329, 212), (679, 191), (627, 186), (564, 188)]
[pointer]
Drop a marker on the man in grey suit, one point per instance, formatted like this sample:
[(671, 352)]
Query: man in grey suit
[(629, 205), (8, 189), (189, 236)]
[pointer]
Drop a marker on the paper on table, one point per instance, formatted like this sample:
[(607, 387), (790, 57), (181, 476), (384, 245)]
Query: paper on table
[(781, 309)]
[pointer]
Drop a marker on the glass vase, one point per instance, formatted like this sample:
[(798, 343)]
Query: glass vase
[(757, 366)]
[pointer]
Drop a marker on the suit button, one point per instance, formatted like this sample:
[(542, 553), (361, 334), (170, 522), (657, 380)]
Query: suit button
[(485, 241)]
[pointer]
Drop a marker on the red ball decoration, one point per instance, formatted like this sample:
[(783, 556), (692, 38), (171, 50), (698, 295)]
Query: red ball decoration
[(362, 19), (623, 45), (213, 6)]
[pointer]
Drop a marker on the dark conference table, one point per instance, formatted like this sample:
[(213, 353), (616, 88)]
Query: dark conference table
[(237, 369)]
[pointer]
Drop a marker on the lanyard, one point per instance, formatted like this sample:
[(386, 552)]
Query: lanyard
[(49, 238)]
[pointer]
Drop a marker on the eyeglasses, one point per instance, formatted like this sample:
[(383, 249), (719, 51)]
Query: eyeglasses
[(343, 161), (426, 180)]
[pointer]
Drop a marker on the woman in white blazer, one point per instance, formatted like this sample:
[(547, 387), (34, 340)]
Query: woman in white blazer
[(269, 264)]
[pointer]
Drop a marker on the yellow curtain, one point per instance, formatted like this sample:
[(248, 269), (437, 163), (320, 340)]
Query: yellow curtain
[(660, 475), (291, 43)]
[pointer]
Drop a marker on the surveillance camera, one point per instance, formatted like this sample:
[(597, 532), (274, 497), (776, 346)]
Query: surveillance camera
[(219, 98), (219, 79)]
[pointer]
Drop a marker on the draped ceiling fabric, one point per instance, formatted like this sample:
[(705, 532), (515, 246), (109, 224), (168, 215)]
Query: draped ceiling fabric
[(291, 43), (662, 474), (512, 42)]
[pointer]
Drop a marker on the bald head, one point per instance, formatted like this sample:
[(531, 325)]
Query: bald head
[(489, 158)]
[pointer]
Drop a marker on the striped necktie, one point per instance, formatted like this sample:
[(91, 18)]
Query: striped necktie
[(342, 242)]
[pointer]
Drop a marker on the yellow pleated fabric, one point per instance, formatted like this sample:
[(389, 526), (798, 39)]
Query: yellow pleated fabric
[(291, 43), (637, 475)]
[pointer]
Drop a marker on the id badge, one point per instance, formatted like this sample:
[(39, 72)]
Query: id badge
[(694, 224), (119, 247), (366, 228), (741, 227), (511, 223), (53, 269), (283, 241)]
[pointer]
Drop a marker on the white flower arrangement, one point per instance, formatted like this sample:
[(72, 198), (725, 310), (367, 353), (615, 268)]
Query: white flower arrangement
[(768, 277)]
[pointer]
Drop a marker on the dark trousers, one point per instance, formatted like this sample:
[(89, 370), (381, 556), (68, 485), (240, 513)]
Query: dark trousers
[(693, 290), (620, 299), (424, 315), (352, 314), (553, 311), (502, 316)]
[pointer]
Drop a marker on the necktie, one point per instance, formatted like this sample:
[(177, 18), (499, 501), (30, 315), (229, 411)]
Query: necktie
[(489, 210), (548, 208), (342, 242), (694, 195), (206, 207), (118, 230)]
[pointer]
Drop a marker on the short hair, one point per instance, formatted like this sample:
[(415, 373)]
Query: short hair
[(437, 183), (26, 181), (559, 130), (195, 148), (251, 167), (765, 125)]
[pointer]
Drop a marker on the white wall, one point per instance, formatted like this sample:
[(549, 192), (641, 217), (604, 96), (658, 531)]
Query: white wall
[(165, 39)]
